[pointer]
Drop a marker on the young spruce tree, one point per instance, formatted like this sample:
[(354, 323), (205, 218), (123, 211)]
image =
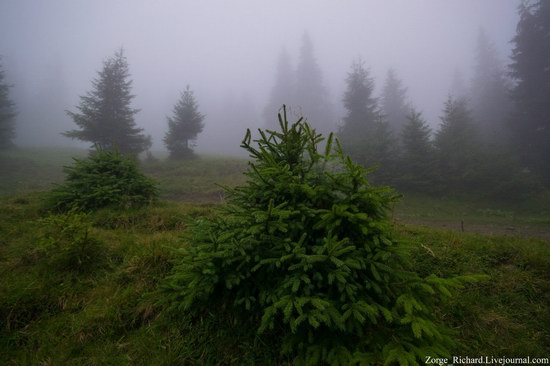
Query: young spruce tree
[(105, 117), (7, 114), (304, 251), (184, 126)]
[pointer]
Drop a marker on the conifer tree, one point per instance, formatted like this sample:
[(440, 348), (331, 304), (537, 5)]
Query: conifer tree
[(7, 114), (304, 251), (490, 94), (455, 143), (530, 71), (394, 102), (184, 126), (417, 159), (283, 90), (311, 96), (364, 132), (361, 106), (105, 117)]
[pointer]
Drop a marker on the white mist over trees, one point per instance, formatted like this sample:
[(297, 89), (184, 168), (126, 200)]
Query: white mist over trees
[(243, 78), (489, 95), (311, 95), (283, 88), (235, 57)]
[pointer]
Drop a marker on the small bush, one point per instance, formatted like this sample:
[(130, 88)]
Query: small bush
[(66, 244), (304, 252), (104, 179)]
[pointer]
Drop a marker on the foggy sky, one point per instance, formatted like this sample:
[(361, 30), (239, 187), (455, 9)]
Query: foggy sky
[(227, 51)]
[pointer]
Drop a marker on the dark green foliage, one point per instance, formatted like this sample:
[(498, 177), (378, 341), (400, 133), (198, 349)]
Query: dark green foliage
[(104, 179), (184, 126), (7, 114), (304, 253), (105, 117), (418, 155), (530, 70), (67, 245)]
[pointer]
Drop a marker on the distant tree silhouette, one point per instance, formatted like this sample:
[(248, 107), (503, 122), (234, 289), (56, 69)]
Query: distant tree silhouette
[(311, 95), (489, 95), (394, 102), (184, 126), (104, 116), (365, 134), (282, 92), (7, 114), (360, 104), (530, 70), (417, 159), (455, 144)]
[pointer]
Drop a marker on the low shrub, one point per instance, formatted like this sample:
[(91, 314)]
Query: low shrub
[(104, 179), (303, 251)]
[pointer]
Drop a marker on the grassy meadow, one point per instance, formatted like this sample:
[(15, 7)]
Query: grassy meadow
[(56, 312)]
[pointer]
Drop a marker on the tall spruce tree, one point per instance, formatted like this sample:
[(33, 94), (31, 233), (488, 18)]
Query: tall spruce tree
[(417, 159), (311, 95), (365, 134), (7, 114), (360, 104), (184, 126), (282, 91), (530, 69), (489, 93), (394, 102), (105, 116), (455, 143)]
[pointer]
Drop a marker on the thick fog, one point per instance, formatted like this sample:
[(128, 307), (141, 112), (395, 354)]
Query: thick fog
[(227, 51)]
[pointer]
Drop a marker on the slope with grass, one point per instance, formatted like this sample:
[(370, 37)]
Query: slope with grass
[(108, 315)]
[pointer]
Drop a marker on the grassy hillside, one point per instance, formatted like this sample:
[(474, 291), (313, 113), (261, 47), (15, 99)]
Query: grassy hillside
[(34, 169), (107, 314), (95, 304)]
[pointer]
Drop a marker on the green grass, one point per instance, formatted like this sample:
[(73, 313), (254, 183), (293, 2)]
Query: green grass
[(34, 169), (506, 315), (109, 315), (196, 180)]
